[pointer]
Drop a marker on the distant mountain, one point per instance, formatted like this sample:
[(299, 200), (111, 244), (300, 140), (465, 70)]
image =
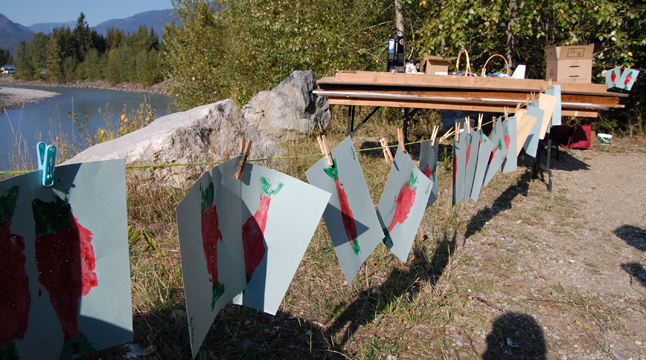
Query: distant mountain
[(11, 33), (48, 27), (154, 19)]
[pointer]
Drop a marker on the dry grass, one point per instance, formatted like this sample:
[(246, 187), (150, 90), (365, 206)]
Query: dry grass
[(432, 306)]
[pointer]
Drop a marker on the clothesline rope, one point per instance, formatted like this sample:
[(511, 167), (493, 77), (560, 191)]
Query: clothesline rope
[(20, 172)]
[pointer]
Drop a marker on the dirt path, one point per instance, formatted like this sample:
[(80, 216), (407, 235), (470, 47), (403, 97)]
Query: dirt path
[(573, 265)]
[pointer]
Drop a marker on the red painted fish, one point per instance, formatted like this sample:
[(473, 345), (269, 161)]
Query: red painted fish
[(253, 230), (627, 81), (210, 236), (507, 138), (404, 202), (346, 213), (613, 77), (430, 173), (65, 262), (15, 300)]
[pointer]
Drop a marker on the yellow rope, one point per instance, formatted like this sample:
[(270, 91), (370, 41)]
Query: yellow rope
[(220, 162)]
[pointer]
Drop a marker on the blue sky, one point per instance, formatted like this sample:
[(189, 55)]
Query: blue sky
[(29, 12)]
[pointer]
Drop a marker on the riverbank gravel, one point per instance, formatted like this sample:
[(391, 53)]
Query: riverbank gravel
[(16, 97)]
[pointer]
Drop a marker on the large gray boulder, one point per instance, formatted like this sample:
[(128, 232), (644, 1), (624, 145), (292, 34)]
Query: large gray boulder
[(290, 110), (206, 133)]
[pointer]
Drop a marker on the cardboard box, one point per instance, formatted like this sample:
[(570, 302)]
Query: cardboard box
[(436, 65), (569, 63)]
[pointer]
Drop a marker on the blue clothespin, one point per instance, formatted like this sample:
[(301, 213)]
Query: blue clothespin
[(46, 162)]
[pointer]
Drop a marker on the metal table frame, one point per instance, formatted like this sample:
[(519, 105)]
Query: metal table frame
[(539, 166), (351, 130)]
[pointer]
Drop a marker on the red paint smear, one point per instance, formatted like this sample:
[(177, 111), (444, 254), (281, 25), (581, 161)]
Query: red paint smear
[(613, 77), (253, 236), (468, 154), (210, 236), (404, 203), (15, 299), (493, 154), (347, 216), (427, 171), (455, 169), (507, 140), (628, 78), (65, 262)]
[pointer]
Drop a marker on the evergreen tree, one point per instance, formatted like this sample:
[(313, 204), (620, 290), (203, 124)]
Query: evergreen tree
[(24, 70), (81, 35), (53, 59), (37, 54), (5, 57)]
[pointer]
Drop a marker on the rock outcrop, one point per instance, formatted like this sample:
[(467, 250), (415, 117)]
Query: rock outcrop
[(290, 110), (206, 133), (212, 132)]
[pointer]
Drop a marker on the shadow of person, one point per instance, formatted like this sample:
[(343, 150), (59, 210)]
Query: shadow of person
[(502, 203), (635, 237), (400, 282), (637, 271), (515, 336), (632, 235)]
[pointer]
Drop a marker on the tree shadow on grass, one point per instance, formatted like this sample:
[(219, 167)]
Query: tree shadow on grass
[(373, 302), (515, 336), (502, 203)]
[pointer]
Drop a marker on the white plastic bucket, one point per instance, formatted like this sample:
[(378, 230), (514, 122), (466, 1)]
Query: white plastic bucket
[(604, 139)]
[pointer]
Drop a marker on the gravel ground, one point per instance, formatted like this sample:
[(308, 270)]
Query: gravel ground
[(14, 97), (573, 261)]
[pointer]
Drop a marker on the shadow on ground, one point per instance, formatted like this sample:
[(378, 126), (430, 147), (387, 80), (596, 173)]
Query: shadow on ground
[(502, 203), (564, 162), (635, 237), (632, 235), (371, 302), (515, 336)]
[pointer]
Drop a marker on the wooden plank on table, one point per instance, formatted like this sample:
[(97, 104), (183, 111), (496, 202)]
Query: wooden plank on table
[(519, 96), (466, 82), (579, 113), (418, 99), (330, 83), (441, 106)]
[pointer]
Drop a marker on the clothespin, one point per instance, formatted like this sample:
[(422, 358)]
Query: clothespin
[(506, 113), (517, 107), (245, 147), (493, 123), (480, 118), (388, 156), (400, 138), (324, 148), (435, 129), (457, 131), (46, 156), (468, 124)]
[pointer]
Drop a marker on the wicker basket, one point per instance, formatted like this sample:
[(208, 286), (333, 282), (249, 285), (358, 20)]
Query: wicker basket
[(484, 68), (467, 71)]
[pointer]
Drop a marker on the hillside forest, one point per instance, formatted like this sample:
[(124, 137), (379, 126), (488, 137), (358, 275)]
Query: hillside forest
[(231, 49), (81, 54)]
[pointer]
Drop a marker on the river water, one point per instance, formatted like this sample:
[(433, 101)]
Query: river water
[(52, 120)]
